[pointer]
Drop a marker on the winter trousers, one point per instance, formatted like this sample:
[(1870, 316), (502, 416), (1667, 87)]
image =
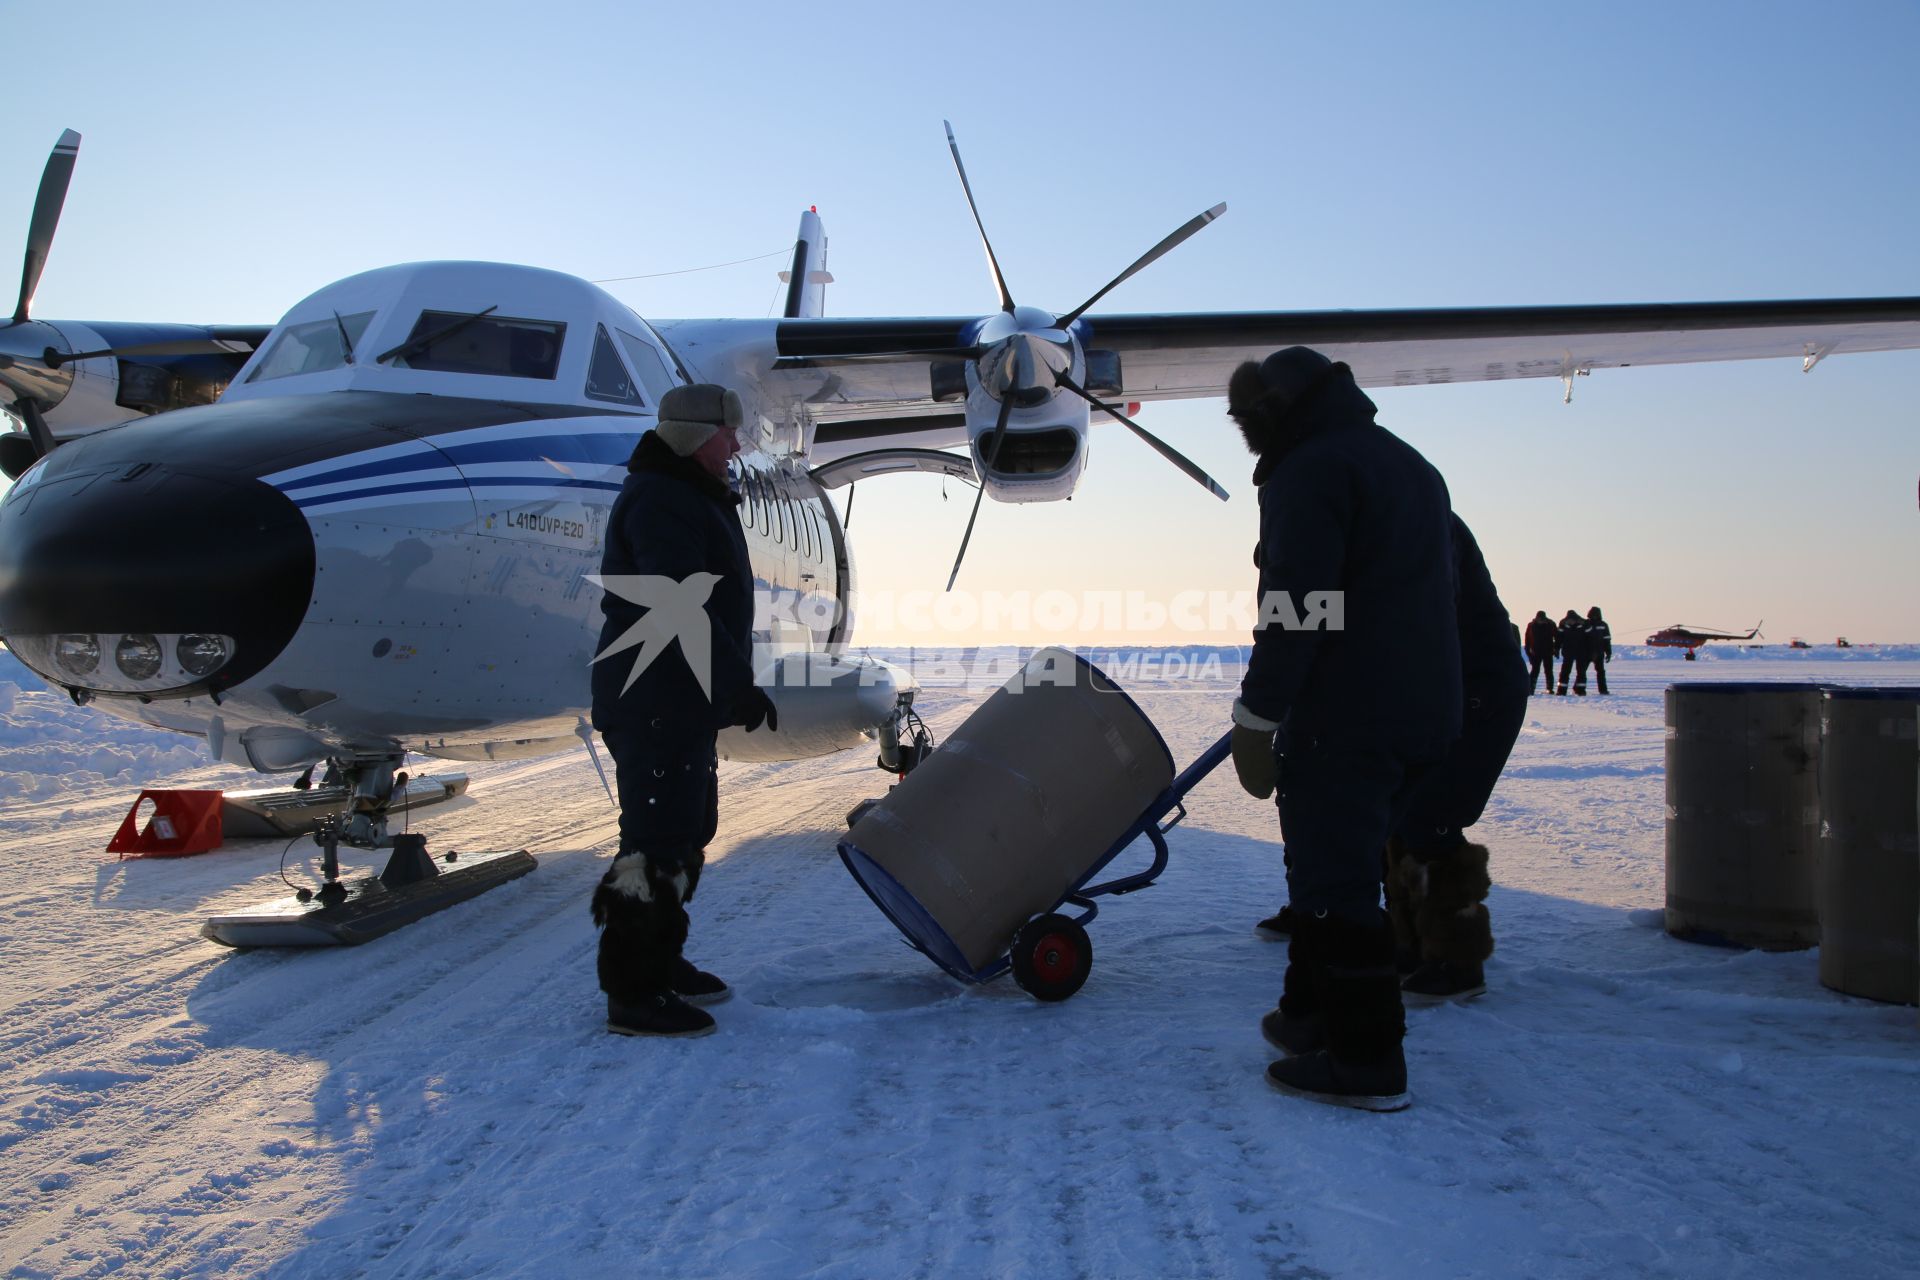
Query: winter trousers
[(1599, 674), (669, 810), (1566, 669), (1337, 807), (1539, 664)]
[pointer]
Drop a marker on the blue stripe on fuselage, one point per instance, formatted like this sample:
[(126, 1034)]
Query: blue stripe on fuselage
[(404, 488)]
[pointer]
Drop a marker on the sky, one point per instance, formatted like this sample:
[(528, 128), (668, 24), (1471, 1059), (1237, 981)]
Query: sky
[(1371, 155)]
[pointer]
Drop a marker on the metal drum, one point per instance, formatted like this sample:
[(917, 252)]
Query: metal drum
[(1743, 814), (1870, 908), (1011, 813)]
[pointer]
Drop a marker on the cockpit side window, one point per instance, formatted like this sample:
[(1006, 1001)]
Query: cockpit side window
[(607, 378), (490, 344), (647, 363), (313, 347)]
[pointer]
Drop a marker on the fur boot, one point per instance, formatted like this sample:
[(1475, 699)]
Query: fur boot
[(640, 907), (643, 925), (1438, 900)]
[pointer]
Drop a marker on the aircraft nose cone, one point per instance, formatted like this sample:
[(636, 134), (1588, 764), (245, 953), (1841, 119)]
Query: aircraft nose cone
[(156, 563)]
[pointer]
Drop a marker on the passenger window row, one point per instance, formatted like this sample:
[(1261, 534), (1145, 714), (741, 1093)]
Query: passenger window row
[(790, 523)]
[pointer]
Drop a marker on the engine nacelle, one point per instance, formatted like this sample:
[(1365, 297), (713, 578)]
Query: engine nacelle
[(1043, 452)]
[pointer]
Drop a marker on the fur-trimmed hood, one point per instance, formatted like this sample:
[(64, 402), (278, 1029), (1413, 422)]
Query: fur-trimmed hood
[(1273, 429)]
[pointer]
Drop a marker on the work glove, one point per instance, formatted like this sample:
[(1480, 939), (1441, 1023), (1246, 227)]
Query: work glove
[(754, 708), (1254, 760)]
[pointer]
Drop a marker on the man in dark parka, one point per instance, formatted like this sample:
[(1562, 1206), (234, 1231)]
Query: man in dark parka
[(1599, 653), (1573, 649), (1347, 508), (1437, 880), (1543, 641), (674, 668)]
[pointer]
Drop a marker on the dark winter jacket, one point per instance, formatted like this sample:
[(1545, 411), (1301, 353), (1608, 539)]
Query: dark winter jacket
[(1347, 506), (1490, 661), (1599, 640), (1543, 638), (673, 520), (1573, 637)]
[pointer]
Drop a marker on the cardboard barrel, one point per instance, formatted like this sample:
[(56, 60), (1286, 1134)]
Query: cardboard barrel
[(1015, 809), (1743, 814), (1870, 838)]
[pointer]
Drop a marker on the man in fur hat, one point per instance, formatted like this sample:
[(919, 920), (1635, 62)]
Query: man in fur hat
[(674, 668), (1437, 879), (1346, 507)]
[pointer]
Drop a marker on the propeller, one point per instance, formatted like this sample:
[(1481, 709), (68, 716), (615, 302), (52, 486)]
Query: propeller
[(988, 454), (993, 263), (18, 373), (31, 381), (1164, 449), (46, 217), (1011, 347), (1151, 256)]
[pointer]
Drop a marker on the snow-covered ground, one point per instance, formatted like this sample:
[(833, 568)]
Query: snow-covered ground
[(444, 1102)]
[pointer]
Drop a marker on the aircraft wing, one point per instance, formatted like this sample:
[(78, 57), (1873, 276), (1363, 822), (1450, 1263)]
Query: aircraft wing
[(875, 371)]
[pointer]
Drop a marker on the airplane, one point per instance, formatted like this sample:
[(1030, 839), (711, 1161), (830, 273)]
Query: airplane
[(372, 528), (1691, 638)]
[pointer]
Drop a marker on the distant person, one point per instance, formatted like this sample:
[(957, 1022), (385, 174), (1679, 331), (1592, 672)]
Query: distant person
[(1543, 643), (1573, 648), (1437, 880), (674, 524), (1347, 507), (1599, 652)]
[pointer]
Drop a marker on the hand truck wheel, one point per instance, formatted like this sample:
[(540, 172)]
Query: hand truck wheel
[(1052, 956)]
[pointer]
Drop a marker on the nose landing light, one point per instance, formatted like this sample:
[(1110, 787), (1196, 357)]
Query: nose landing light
[(144, 662)]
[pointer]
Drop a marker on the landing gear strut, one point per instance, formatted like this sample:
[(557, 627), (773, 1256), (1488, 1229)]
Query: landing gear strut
[(412, 885), (905, 741)]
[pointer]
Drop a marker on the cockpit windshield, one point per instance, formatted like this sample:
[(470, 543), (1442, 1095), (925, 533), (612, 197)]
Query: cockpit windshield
[(313, 347), (482, 343)]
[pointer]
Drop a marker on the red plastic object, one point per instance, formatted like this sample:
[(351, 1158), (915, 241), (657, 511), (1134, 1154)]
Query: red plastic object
[(183, 822)]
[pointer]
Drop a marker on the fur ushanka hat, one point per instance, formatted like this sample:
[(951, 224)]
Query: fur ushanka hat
[(692, 415)]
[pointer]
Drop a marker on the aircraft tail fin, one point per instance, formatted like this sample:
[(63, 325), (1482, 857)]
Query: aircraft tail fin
[(807, 277)]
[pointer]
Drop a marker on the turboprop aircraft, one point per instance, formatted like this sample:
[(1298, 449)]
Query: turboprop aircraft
[(372, 528)]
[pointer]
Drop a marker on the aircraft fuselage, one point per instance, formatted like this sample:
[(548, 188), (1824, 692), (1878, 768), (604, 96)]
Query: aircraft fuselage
[(352, 558)]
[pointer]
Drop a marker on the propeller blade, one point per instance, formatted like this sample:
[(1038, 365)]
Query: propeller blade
[(988, 456), (181, 347), (1146, 259), (1164, 449), (999, 281), (46, 217)]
